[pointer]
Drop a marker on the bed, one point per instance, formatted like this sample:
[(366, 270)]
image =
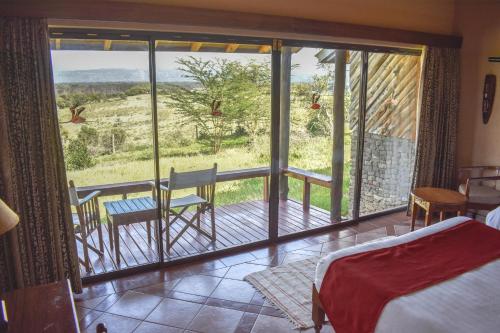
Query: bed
[(468, 302)]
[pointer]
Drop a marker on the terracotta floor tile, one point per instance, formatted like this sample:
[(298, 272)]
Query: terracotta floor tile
[(272, 311), (257, 299), (237, 259), (292, 257), (114, 323), (95, 290), (234, 290), (216, 320), (108, 301), (246, 323), (221, 272), (135, 305), (88, 319), (224, 303), (202, 285), (187, 297), (139, 280), (238, 272), (269, 251), (267, 324), (175, 313), (91, 303), (205, 266), (81, 312), (338, 244), (159, 289), (146, 327)]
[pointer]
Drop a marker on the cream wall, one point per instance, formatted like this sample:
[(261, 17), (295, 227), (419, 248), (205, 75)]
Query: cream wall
[(434, 16), (479, 24)]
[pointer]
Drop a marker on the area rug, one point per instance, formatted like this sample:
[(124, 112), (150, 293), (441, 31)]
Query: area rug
[(289, 288)]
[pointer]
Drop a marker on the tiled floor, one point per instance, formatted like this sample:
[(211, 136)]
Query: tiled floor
[(211, 296)]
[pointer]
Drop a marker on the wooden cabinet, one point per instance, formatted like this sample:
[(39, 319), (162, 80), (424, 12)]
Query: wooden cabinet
[(46, 308)]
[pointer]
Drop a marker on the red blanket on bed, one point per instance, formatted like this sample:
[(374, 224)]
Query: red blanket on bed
[(356, 288)]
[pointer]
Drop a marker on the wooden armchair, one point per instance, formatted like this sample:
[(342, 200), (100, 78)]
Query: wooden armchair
[(204, 182), (481, 186), (87, 210)]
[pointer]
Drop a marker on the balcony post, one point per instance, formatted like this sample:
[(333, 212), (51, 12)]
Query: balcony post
[(286, 69), (338, 137)]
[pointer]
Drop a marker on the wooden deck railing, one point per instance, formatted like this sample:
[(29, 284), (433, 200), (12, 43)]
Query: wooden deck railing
[(144, 185), (307, 177)]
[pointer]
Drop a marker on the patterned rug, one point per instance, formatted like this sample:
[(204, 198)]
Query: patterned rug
[(289, 287)]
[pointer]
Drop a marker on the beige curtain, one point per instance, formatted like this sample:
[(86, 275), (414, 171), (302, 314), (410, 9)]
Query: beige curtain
[(42, 248), (435, 161)]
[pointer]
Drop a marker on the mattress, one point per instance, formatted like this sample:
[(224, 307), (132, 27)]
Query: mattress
[(467, 303)]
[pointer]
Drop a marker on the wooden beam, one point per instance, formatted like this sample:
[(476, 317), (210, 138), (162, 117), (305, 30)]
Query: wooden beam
[(338, 137), (275, 138), (232, 47), (265, 49), (219, 20), (286, 71), (107, 45), (196, 46)]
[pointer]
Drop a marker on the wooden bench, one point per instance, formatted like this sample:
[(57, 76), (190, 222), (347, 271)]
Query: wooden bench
[(308, 177)]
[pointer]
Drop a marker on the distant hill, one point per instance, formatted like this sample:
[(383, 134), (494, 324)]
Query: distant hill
[(132, 75), (116, 75)]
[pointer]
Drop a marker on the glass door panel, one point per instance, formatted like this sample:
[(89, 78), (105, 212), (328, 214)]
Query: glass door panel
[(214, 108), (390, 131), (104, 110)]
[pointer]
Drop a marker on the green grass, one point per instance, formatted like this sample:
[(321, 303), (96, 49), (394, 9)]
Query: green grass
[(180, 149)]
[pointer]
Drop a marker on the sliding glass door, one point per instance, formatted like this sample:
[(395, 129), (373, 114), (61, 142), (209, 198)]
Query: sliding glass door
[(390, 131), (214, 109), (105, 118)]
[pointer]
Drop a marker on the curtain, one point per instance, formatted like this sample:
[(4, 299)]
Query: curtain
[(435, 160), (42, 248)]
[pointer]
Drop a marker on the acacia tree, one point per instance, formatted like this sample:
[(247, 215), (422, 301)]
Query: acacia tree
[(227, 92)]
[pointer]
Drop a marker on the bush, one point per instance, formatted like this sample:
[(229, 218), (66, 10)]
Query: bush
[(78, 156), (88, 135), (113, 140)]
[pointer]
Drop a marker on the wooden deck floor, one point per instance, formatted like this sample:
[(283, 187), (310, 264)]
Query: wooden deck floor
[(236, 224)]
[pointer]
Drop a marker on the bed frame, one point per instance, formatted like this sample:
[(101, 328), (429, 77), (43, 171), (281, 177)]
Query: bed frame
[(318, 313)]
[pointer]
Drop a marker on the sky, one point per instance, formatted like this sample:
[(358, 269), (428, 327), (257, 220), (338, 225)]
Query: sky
[(91, 60)]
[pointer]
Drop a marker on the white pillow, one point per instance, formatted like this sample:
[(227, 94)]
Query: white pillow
[(493, 218)]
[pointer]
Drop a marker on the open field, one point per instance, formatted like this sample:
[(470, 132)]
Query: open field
[(180, 148)]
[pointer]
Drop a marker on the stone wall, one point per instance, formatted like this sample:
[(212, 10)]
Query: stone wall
[(387, 171)]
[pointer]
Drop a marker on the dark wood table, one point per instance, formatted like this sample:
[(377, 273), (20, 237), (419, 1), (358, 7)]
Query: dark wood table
[(127, 211), (46, 308), (432, 199)]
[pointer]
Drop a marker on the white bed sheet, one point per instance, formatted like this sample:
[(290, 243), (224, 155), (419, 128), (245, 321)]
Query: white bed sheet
[(468, 303)]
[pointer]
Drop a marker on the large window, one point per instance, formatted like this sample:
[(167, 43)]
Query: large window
[(132, 107)]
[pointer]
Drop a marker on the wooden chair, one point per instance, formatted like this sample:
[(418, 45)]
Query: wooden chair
[(481, 186), (204, 182), (87, 210)]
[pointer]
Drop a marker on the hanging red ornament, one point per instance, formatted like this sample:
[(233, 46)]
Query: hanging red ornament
[(215, 108), (315, 98), (76, 112)]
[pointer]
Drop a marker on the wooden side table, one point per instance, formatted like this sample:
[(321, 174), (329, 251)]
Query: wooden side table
[(127, 211), (432, 200)]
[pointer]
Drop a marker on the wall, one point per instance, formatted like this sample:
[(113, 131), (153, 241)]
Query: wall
[(387, 170), (434, 16), (479, 23)]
